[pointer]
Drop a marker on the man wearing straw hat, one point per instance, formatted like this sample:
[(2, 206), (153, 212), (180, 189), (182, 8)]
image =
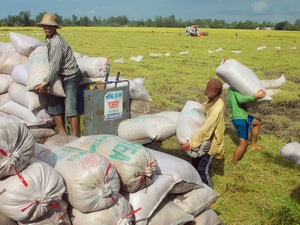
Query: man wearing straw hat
[(62, 63)]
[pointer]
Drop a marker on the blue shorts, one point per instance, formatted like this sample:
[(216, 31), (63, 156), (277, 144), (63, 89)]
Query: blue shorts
[(243, 126), (66, 105)]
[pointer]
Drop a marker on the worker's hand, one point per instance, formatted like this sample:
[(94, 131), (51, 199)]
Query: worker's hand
[(185, 145), (260, 94), (41, 89)]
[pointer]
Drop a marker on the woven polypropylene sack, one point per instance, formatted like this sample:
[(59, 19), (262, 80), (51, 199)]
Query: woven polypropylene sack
[(91, 180), (291, 151), (241, 78), (117, 214), (16, 146), (184, 174), (135, 164), (31, 194), (24, 44)]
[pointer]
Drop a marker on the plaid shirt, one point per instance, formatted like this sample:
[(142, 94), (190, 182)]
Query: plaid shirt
[(61, 59)]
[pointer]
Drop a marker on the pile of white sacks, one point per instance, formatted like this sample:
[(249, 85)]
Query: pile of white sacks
[(24, 64), (97, 179)]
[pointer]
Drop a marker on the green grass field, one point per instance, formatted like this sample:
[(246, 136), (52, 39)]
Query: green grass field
[(263, 188)]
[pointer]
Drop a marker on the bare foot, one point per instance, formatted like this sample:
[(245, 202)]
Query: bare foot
[(255, 147)]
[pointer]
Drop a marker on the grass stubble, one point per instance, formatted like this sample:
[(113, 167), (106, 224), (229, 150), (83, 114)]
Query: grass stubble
[(263, 188)]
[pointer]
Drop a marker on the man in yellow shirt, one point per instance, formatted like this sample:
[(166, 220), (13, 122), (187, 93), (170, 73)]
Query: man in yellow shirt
[(211, 132)]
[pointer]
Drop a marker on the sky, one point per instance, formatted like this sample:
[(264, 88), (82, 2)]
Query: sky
[(229, 10)]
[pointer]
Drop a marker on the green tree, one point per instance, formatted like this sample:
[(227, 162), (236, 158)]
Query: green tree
[(297, 24), (149, 23), (284, 25), (84, 21), (25, 18), (158, 21), (75, 20)]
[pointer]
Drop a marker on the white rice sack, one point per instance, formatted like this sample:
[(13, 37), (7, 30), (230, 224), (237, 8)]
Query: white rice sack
[(139, 80), (137, 91), (4, 98), (5, 220), (275, 83), (149, 198), (12, 116), (240, 78), (135, 164), (31, 197), (41, 132), (191, 119), (59, 140), (139, 107), (20, 74), (272, 92), (4, 46), (91, 180), (55, 216), (38, 68), (172, 115), (156, 128), (169, 213), (24, 44), (94, 66), (16, 146), (30, 99), (208, 217), (291, 151), (30, 118), (184, 174), (9, 59), (5, 81), (197, 200), (117, 214)]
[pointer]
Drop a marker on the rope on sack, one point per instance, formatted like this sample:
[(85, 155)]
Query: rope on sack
[(55, 206), (2, 152), (105, 176), (132, 212), (145, 173), (62, 216), (104, 65)]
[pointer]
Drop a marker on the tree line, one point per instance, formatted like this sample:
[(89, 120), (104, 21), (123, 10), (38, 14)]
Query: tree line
[(24, 19)]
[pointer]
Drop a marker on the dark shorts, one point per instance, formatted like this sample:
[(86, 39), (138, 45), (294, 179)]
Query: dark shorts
[(66, 105), (243, 126)]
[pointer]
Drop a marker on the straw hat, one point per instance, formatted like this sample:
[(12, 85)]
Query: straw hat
[(48, 20)]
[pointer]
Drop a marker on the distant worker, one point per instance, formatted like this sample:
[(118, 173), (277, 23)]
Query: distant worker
[(244, 122), (62, 63), (212, 131)]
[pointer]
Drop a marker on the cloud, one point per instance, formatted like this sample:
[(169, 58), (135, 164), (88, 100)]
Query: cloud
[(260, 7)]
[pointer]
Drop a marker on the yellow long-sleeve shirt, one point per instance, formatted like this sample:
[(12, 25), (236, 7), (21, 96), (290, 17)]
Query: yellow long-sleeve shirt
[(212, 129)]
